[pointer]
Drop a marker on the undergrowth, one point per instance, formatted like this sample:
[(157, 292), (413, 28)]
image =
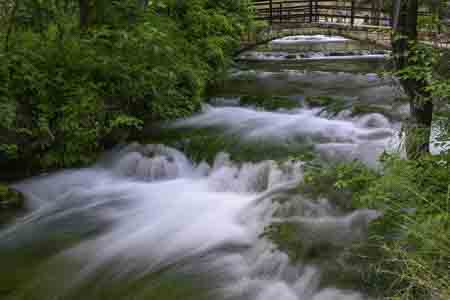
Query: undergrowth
[(408, 252), (67, 93)]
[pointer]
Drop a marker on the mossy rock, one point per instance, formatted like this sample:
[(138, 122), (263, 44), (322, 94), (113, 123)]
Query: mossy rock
[(332, 105), (10, 198), (318, 101), (203, 144), (269, 102), (362, 109), (401, 99)]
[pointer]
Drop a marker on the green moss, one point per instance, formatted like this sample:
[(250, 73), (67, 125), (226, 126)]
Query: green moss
[(10, 198), (283, 235), (335, 105), (332, 105), (362, 108), (205, 143), (269, 102), (318, 101)]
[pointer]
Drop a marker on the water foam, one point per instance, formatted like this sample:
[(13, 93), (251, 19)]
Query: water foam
[(302, 39), (365, 137), (280, 56), (146, 209)]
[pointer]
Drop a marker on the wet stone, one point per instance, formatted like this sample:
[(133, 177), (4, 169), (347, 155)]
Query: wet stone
[(10, 199)]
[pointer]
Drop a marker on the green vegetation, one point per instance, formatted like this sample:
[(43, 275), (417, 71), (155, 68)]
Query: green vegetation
[(335, 105), (315, 101), (10, 198), (204, 144), (362, 108), (269, 102), (77, 77), (332, 105), (408, 252)]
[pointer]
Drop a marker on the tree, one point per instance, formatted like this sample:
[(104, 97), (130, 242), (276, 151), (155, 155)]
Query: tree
[(85, 11), (404, 41)]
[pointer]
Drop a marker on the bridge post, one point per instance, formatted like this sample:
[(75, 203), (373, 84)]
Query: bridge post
[(281, 12), (316, 11), (352, 12), (310, 11), (270, 12)]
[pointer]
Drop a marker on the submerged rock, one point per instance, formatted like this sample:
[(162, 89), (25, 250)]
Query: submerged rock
[(269, 102), (10, 198), (306, 238)]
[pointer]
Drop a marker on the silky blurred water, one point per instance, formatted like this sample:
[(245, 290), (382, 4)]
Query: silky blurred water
[(148, 222)]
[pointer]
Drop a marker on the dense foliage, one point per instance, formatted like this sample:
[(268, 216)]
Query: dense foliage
[(67, 91), (408, 251)]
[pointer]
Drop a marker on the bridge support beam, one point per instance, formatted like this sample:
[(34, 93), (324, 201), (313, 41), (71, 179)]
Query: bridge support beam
[(352, 14), (270, 12)]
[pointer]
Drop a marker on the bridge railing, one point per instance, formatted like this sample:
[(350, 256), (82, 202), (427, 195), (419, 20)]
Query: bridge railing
[(325, 11)]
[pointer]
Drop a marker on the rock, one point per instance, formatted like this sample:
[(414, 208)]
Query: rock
[(270, 102), (316, 101), (10, 198), (379, 52), (340, 53), (359, 109)]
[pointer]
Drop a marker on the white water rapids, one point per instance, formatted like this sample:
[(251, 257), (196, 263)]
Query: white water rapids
[(144, 209), (147, 223), (364, 138)]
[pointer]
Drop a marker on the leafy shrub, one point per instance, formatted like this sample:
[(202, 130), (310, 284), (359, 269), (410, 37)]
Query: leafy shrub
[(65, 93), (408, 253)]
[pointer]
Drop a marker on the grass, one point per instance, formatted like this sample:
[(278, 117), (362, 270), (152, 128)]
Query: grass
[(408, 252)]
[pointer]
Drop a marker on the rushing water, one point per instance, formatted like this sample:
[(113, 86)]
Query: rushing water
[(147, 222)]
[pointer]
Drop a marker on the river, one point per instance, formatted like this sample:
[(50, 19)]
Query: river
[(186, 220)]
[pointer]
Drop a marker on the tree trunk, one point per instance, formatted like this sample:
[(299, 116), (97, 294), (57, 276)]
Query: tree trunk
[(419, 126), (373, 13), (144, 4), (84, 14)]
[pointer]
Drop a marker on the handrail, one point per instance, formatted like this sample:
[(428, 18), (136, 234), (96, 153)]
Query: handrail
[(309, 11)]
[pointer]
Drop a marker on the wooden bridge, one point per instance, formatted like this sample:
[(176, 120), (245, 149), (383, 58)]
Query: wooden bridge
[(350, 12), (357, 19)]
